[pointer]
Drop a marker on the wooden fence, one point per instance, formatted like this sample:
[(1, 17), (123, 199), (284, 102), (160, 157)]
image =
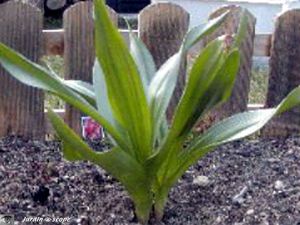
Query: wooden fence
[(162, 27)]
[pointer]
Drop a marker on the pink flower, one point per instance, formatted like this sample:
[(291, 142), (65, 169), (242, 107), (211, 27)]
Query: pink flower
[(91, 129)]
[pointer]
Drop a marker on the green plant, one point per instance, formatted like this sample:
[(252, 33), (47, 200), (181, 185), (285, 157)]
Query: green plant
[(129, 98)]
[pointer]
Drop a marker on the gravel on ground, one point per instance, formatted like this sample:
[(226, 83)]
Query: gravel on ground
[(250, 182)]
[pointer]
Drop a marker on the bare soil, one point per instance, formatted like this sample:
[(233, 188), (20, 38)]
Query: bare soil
[(251, 182)]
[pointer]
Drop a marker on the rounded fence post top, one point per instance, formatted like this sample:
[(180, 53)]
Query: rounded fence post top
[(162, 6), (23, 5)]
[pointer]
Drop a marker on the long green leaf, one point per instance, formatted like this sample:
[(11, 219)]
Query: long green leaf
[(199, 32), (215, 93), (231, 129), (100, 89), (161, 90), (242, 30), (120, 164), (199, 81), (164, 82), (124, 86), (83, 88), (147, 69), (210, 84), (103, 104), (196, 96), (244, 124), (143, 60), (34, 75)]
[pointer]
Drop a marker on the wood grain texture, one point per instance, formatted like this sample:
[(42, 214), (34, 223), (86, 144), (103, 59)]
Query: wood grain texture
[(239, 97), (37, 3), (162, 27), (21, 107), (284, 73), (79, 53)]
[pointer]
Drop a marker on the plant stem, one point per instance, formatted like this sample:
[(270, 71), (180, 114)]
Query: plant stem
[(160, 202)]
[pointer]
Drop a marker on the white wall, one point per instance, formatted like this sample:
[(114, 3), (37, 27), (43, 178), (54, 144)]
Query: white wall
[(200, 9)]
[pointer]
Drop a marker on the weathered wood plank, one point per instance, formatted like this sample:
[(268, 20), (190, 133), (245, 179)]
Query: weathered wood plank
[(284, 73), (79, 52), (21, 107), (37, 3), (162, 27)]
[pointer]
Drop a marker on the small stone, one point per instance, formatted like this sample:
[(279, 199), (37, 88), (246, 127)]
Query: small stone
[(201, 181), (239, 199), (84, 220), (264, 222), (250, 212), (279, 185), (290, 152), (108, 186), (66, 177), (219, 219), (273, 160)]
